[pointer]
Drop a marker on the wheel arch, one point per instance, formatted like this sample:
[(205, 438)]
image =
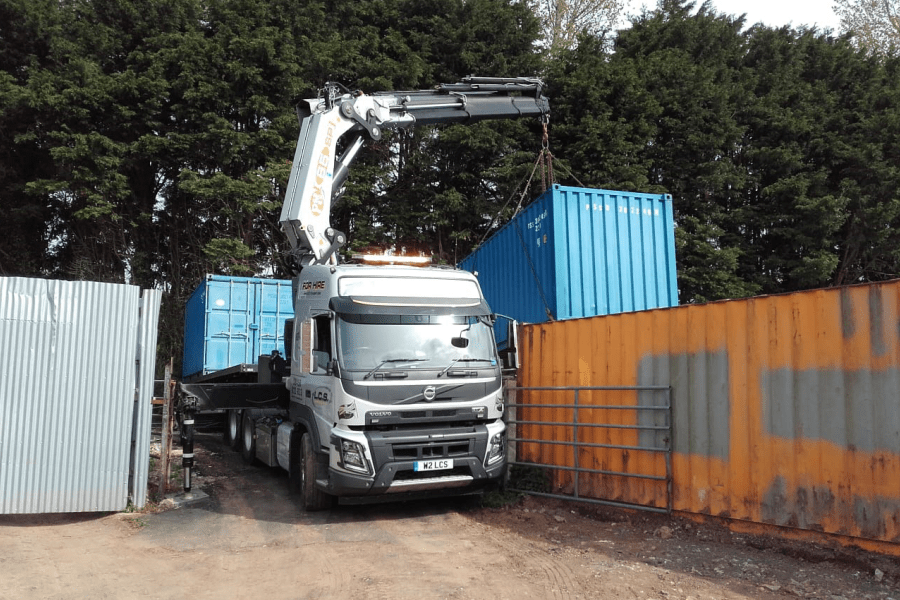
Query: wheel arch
[(304, 422)]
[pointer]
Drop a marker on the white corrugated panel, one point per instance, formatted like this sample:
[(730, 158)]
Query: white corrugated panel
[(67, 394), (143, 397)]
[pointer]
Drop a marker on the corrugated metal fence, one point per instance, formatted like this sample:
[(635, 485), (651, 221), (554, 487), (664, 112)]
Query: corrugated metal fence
[(786, 409), (76, 380)]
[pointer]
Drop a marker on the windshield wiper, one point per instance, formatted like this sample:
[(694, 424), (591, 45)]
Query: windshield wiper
[(462, 359), (392, 360)]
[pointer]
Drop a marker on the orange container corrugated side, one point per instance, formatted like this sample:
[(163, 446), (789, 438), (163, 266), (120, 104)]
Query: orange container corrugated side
[(786, 409)]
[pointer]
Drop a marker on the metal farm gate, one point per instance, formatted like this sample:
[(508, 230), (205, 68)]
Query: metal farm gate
[(586, 438)]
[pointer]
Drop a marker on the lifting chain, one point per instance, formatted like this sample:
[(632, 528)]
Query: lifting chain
[(546, 159)]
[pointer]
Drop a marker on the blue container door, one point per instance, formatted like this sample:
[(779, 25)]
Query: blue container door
[(274, 307), (614, 252), (230, 323)]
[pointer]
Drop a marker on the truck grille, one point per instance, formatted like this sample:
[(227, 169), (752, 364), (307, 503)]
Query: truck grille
[(426, 451), (410, 445)]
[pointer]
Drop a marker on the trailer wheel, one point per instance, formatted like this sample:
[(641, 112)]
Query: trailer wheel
[(303, 476), (248, 439), (231, 436)]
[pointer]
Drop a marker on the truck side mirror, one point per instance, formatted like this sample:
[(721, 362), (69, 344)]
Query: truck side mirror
[(321, 361), (512, 345), (459, 342), (288, 339)]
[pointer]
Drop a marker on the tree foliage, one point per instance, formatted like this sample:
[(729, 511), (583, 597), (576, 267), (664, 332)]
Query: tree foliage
[(150, 141), (778, 146), (563, 21), (875, 24)]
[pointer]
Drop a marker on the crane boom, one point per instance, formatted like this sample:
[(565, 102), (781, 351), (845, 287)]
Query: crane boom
[(318, 174)]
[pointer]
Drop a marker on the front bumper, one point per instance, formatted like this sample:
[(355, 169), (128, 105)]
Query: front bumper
[(395, 454)]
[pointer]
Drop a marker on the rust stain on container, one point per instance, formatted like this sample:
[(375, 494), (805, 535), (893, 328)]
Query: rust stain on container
[(786, 409)]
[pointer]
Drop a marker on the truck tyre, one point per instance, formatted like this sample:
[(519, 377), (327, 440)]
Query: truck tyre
[(303, 476), (248, 439), (232, 433)]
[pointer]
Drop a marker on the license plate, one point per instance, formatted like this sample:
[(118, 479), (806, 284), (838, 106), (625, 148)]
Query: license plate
[(434, 465)]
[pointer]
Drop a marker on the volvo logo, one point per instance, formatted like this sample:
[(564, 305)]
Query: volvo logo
[(429, 392)]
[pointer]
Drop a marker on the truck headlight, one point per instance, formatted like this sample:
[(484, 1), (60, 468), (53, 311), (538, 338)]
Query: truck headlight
[(496, 449), (353, 457)]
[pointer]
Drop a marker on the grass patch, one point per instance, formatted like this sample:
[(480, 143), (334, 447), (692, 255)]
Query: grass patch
[(500, 498), (521, 477), (529, 479)]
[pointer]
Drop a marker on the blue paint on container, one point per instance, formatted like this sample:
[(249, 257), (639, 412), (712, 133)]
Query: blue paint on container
[(229, 321), (580, 252)]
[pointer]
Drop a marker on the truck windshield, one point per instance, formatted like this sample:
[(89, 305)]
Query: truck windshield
[(414, 342)]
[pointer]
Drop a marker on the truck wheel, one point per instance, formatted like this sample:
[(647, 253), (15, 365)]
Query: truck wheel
[(303, 476), (248, 439), (232, 434)]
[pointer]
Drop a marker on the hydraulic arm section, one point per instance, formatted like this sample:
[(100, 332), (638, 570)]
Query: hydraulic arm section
[(318, 174)]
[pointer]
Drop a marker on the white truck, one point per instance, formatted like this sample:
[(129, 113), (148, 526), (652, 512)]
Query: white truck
[(392, 386)]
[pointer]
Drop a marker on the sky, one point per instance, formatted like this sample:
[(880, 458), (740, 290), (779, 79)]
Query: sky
[(773, 13)]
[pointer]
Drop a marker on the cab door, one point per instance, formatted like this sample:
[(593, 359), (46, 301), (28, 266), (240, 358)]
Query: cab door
[(314, 352)]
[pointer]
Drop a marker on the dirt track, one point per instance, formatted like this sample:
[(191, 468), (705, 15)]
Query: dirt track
[(251, 540)]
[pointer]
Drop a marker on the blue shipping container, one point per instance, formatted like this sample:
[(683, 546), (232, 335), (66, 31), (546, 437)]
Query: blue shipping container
[(229, 321), (580, 252)]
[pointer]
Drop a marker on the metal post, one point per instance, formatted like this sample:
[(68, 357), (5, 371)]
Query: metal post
[(669, 445), (187, 457), (575, 431), (165, 442)]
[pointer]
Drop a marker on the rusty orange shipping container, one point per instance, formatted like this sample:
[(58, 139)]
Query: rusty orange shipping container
[(786, 409)]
